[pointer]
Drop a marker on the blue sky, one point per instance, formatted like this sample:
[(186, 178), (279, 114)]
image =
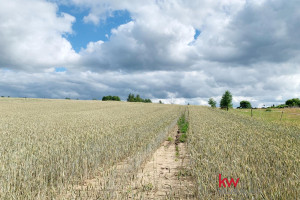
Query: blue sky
[(89, 32)]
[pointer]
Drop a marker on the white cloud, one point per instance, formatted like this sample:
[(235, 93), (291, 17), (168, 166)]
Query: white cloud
[(248, 47), (31, 35)]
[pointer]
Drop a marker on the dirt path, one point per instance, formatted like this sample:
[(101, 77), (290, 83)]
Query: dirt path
[(166, 174)]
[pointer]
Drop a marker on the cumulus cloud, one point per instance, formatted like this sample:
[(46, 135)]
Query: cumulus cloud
[(171, 87), (265, 32), (248, 47), (32, 35), (161, 35), (134, 47)]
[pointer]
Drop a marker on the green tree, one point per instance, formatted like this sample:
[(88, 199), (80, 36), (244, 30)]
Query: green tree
[(104, 98), (245, 104), (131, 98), (212, 103), (160, 102), (111, 98), (226, 101), (138, 98), (115, 98), (293, 102)]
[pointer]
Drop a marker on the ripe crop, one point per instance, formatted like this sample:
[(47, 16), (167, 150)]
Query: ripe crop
[(48, 146), (68, 149), (264, 156)]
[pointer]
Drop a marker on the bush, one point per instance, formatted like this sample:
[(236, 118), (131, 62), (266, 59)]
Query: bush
[(268, 110), (282, 106)]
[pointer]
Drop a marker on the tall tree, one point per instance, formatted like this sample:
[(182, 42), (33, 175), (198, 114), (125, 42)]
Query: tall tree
[(212, 102), (226, 101)]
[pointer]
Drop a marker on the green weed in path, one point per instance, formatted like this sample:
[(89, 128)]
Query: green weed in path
[(183, 126)]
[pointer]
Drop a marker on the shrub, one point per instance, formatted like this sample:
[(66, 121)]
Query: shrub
[(281, 106), (268, 110)]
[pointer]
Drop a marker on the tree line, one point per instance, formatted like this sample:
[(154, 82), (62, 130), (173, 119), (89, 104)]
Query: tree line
[(111, 98), (226, 102), (137, 98), (131, 98)]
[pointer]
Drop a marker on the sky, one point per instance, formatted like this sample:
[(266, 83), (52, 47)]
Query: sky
[(177, 51)]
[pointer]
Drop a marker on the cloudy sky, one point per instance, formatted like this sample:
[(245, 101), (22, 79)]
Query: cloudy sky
[(179, 51)]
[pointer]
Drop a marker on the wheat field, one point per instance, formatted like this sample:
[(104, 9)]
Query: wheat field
[(265, 156), (49, 149), (47, 146)]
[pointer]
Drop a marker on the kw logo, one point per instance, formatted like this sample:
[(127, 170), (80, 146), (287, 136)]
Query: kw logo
[(222, 182)]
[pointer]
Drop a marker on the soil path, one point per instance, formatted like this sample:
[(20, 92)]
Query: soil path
[(166, 175)]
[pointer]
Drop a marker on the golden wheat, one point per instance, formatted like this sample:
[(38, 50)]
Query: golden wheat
[(48, 145), (265, 156)]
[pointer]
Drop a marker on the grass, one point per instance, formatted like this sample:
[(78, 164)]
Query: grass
[(183, 138), (289, 116), (183, 126), (264, 155), (177, 151), (148, 187), (48, 147)]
